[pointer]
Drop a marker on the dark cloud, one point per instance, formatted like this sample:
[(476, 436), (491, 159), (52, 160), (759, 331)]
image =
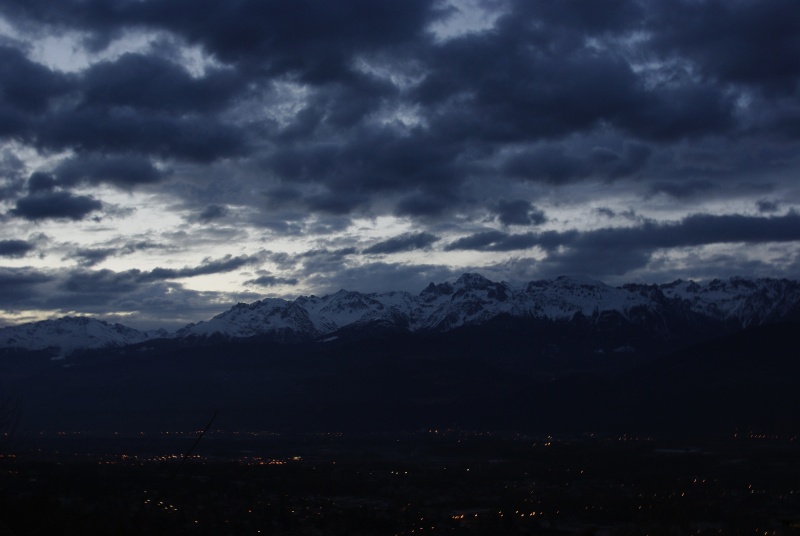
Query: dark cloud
[(131, 247), (15, 248), (41, 182), (552, 163), (56, 205), (478, 241), (424, 205), (582, 18), (88, 257), (12, 170), (91, 257), (750, 43), (688, 111), (153, 84), (404, 242), (272, 281), (605, 212), (312, 38), (546, 164), (766, 206), (328, 224), (283, 195), (98, 285), (212, 212), (137, 104), (323, 261), (616, 251), (123, 130), (515, 98), (124, 171), (518, 212), (527, 82), (330, 254), (26, 90), (310, 116), (19, 285), (682, 190), (208, 266), (335, 202), (26, 87), (370, 160)]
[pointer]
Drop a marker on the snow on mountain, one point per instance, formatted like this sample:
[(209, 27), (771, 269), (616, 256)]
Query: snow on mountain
[(470, 300), (68, 334), (748, 301), (474, 299), (563, 297)]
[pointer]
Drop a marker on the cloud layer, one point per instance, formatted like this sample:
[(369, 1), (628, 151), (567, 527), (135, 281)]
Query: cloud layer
[(366, 143)]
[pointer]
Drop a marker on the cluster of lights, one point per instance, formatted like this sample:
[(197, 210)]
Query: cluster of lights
[(162, 505)]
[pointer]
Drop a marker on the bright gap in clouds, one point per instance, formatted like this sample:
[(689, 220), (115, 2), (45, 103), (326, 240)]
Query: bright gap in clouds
[(467, 16), (66, 51)]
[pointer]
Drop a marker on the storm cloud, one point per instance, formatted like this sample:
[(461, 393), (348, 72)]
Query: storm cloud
[(56, 205), (600, 137), (404, 242), (15, 248)]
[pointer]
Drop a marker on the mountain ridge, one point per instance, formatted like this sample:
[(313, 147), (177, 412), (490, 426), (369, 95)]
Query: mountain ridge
[(665, 310)]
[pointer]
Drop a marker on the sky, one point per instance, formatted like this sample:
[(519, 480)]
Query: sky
[(161, 160)]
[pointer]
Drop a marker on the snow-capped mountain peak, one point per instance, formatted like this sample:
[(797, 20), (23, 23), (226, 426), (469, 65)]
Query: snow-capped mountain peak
[(470, 300), (67, 334)]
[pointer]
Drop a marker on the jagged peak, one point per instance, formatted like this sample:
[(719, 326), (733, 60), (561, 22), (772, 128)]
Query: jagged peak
[(440, 289), (471, 299)]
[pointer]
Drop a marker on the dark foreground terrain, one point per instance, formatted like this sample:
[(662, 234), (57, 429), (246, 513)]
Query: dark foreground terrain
[(429, 482), (477, 379)]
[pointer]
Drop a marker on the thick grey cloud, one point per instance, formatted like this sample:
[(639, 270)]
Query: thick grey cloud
[(20, 286), (423, 205), (312, 37), (766, 206), (116, 107), (616, 251), (682, 190), (41, 182), (295, 123), (531, 86), (27, 89), (15, 248), (209, 266), (552, 164), (124, 171), (151, 83), (92, 256), (123, 130), (88, 257), (12, 171), (212, 212), (479, 241), (518, 212), (55, 205), (752, 43), (272, 281), (696, 230), (404, 242)]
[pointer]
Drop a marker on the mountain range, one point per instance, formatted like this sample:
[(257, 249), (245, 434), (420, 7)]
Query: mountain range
[(564, 354), (666, 313)]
